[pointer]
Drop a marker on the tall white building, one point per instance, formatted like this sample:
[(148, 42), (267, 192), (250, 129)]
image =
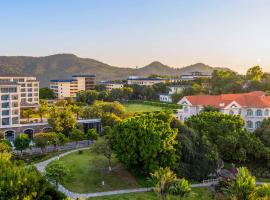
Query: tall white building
[(29, 88), (70, 87), (9, 104), (253, 107)]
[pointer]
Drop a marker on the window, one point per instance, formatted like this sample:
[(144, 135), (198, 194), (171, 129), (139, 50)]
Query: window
[(29, 89), (266, 112), (249, 124), (30, 95), (5, 121), (4, 97), (257, 124), (5, 112), (23, 85), (15, 112), (185, 108), (23, 95), (15, 104), (15, 120), (14, 97), (259, 112), (5, 105), (239, 112), (29, 85), (23, 90), (249, 112), (9, 90), (231, 112)]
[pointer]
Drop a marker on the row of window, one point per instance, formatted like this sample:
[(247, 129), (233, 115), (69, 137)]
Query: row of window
[(250, 124), (7, 112), (29, 94), (258, 112), (6, 121), (29, 85), (7, 97), (29, 89), (9, 90), (7, 104)]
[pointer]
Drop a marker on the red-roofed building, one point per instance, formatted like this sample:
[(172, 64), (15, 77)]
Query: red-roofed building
[(253, 107)]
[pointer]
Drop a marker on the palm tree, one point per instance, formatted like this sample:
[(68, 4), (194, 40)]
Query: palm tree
[(43, 108), (161, 179), (27, 113)]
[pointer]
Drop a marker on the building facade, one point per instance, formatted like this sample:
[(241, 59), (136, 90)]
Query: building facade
[(194, 75), (253, 107), (9, 104), (70, 87), (111, 85), (29, 89), (146, 81)]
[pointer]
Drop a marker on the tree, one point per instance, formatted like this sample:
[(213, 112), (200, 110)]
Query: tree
[(255, 73), (244, 187), (102, 146), (88, 96), (103, 95), (5, 147), (110, 119), (19, 181), (77, 110), (91, 134), (263, 132), (22, 142), (27, 113), (42, 140), (46, 93), (57, 172), (76, 135), (42, 109), (180, 188), (210, 109), (62, 139), (145, 142), (62, 120), (161, 179)]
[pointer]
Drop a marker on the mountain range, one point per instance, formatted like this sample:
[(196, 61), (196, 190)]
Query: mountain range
[(63, 66)]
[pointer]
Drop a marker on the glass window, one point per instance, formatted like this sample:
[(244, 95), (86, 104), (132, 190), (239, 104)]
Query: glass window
[(266, 112), (29, 85), (5, 112), (15, 120), (231, 112), (4, 97), (239, 112), (23, 85), (15, 112), (249, 112), (258, 112), (23, 90), (23, 95), (5, 105), (185, 108), (30, 95), (15, 104), (257, 124), (14, 97), (29, 89), (249, 124), (5, 121)]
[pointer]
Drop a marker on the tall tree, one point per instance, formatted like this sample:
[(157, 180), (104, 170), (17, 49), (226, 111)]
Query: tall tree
[(46, 93), (22, 142), (42, 109), (254, 73), (77, 135)]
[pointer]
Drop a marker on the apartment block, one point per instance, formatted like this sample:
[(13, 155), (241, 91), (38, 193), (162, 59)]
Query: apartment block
[(9, 104), (29, 89), (70, 87)]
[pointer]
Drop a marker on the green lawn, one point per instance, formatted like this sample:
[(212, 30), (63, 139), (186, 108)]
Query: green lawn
[(137, 107), (199, 194), (88, 170)]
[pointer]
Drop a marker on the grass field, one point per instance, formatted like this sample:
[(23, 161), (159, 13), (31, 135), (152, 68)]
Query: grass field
[(88, 170), (136, 107), (199, 194)]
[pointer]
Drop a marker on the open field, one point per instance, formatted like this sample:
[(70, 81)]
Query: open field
[(89, 170), (199, 194), (137, 107)]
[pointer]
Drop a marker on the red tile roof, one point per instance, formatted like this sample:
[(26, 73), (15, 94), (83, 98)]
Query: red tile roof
[(256, 99)]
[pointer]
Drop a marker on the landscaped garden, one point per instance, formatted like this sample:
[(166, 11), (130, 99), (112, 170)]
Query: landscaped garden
[(137, 107), (89, 170)]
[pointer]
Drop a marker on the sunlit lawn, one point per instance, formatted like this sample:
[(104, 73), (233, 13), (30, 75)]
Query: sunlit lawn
[(136, 107), (89, 170)]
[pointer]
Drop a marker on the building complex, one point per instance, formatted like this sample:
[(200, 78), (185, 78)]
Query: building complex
[(70, 87), (194, 75), (253, 107), (111, 85)]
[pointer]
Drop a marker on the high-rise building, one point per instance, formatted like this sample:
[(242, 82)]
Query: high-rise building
[(70, 87), (29, 88), (9, 104)]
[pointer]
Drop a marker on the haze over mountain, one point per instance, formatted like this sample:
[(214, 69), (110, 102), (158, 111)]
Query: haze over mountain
[(63, 66)]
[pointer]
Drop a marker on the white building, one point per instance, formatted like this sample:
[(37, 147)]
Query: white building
[(172, 90), (9, 104), (146, 81), (29, 89), (194, 75), (253, 107), (111, 85), (66, 88)]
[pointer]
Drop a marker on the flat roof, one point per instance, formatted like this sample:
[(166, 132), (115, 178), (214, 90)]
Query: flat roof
[(63, 80), (149, 79), (84, 75), (109, 82)]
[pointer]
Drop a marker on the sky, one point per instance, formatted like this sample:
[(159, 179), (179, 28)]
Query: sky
[(129, 33)]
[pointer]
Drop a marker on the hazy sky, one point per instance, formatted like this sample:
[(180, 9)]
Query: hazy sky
[(126, 33)]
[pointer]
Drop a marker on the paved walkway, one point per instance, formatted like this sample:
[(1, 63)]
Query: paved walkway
[(42, 165)]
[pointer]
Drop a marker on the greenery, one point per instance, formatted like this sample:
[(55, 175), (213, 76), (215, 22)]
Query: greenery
[(46, 93), (56, 171), (88, 170), (42, 140), (146, 141), (21, 142), (137, 107)]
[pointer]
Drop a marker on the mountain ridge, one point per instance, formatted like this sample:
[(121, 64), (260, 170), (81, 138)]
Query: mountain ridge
[(63, 66)]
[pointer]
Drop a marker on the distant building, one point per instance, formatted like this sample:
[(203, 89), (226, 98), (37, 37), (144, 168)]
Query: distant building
[(253, 107), (111, 85), (194, 75), (172, 90), (66, 88), (29, 89), (146, 81)]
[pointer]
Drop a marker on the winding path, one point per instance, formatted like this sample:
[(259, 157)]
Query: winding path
[(42, 165)]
